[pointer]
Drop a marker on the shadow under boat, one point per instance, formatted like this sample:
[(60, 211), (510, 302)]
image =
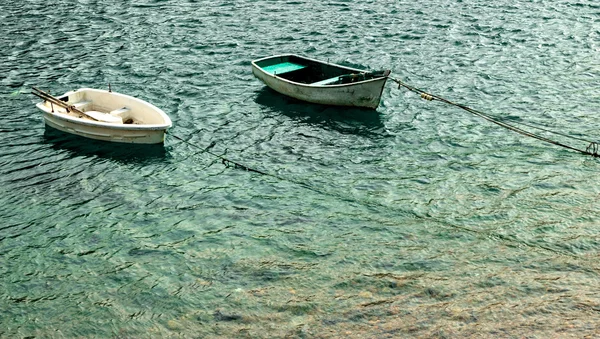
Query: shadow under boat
[(347, 120), (121, 152)]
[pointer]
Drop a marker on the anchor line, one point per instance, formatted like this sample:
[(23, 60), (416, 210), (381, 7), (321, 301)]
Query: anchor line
[(224, 160), (344, 197), (592, 149), (236, 165)]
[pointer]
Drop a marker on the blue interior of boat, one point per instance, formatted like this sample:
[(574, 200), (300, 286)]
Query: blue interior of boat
[(283, 67), (306, 71)]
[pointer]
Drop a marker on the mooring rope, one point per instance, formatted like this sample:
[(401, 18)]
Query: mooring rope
[(236, 165), (370, 203), (224, 160), (592, 149)]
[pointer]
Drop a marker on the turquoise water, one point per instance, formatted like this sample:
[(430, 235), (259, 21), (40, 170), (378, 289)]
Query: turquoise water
[(415, 220)]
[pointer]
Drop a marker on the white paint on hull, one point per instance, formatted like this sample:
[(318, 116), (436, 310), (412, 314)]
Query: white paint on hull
[(365, 93), (148, 126)]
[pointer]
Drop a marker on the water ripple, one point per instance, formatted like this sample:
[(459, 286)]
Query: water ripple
[(417, 211)]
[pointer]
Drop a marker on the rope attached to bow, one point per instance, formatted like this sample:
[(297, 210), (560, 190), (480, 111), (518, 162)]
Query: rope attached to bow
[(592, 149)]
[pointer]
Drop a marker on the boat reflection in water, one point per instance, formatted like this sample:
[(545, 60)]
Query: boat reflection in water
[(124, 153)]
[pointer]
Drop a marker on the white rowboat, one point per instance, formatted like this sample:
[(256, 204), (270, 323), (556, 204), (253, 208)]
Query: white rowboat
[(105, 115), (321, 82)]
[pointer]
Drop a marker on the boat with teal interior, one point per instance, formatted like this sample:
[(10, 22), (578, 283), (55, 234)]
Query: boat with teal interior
[(321, 82)]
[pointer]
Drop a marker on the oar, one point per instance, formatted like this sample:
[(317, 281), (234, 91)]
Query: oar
[(51, 100), (55, 100), (61, 103), (47, 97)]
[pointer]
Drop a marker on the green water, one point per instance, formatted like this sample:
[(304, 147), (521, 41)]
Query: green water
[(415, 220)]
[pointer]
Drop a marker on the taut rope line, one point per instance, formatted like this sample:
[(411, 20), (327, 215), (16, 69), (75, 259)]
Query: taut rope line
[(344, 197), (592, 149), (225, 161)]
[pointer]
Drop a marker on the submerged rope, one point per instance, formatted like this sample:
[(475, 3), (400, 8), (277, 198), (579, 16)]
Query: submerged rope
[(370, 203), (224, 161), (592, 149), (236, 165)]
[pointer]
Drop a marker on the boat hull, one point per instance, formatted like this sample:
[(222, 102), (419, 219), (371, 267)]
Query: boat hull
[(143, 123), (366, 94), (132, 136)]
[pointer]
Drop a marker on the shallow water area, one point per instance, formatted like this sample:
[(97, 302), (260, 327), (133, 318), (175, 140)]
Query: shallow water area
[(414, 220)]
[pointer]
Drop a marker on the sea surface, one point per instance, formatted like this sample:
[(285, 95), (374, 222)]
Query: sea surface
[(416, 220)]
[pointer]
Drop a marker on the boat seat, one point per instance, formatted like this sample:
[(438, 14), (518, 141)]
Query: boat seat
[(326, 81), (284, 67), (104, 117), (81, 104), (119, 112)]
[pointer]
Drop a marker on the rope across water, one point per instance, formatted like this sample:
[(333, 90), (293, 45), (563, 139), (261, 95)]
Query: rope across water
[(592, 148), (343, 196), (224, 160)]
